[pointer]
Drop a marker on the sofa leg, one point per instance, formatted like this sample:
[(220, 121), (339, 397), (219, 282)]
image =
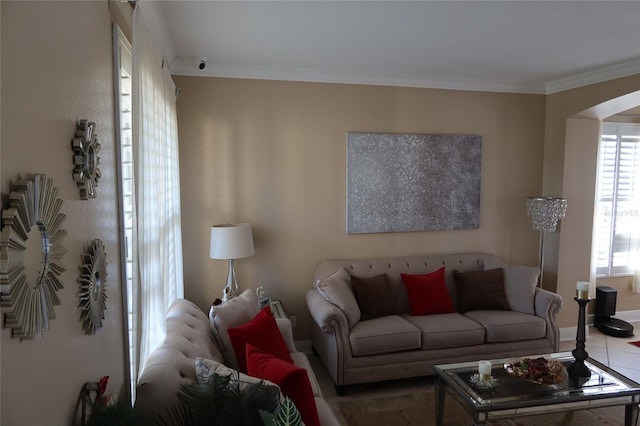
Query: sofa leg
[(341, 390)]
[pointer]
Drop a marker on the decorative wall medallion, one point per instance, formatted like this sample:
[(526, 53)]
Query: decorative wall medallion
[(86, 161), (30, 253), (93, 292)]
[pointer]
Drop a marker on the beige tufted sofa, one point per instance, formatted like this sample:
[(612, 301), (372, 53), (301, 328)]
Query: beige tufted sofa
[(401, 346), (189, 336)]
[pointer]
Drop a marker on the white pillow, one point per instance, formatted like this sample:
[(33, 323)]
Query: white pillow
[(232, 313), (206, 368), (337, 289)]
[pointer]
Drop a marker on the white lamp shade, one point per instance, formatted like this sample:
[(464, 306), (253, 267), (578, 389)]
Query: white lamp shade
[(231, 241)]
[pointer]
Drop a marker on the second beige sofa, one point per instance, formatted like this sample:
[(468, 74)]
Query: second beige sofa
[(189, 336)]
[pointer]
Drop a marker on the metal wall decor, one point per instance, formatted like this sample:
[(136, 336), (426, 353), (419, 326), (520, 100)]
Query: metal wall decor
[(86, 171), (93, 292), (29, 272), (412, 182)]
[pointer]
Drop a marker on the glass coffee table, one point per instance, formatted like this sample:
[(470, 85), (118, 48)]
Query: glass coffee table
[(514, 397)]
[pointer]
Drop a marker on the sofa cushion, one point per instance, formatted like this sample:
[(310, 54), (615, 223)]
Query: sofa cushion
[(447, 331), (383, 335), (509, 326), (232, 313), (374, 296), (293, 381), (481, 290), (428, 293), (262, 332), (337, 290), (520, 284)]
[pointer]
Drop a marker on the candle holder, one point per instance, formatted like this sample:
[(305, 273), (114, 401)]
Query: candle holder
[(577, 371)]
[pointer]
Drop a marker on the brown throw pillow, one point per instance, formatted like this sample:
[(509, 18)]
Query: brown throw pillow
[(481, 290), (374, 296)]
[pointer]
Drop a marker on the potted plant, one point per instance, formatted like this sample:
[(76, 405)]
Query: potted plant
[(225, 400)]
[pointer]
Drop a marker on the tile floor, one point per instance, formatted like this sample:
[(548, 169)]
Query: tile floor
[(616, 352), (612, 351)]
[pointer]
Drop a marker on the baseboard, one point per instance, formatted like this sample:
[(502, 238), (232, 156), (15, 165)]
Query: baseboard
[(569, 333)]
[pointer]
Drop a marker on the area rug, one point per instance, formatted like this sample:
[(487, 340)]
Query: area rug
[(419, 409), (635, 343)]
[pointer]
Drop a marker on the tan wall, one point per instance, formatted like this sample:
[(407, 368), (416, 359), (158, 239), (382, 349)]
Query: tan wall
[(56, 69), (273, 154), (571, 138)]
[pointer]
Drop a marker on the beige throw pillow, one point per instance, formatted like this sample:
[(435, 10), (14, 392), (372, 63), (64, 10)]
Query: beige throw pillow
[(337, 290), (232, 313)]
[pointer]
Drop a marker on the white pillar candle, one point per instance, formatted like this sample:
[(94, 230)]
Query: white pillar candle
[(484, 368), (582, 290)]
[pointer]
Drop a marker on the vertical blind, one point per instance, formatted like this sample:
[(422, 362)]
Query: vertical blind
[(618, 202)]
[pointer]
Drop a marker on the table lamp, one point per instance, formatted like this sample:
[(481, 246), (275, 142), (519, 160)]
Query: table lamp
[(229, 242)]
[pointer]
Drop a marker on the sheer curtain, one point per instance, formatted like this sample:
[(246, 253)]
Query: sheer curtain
[(158, 242), (636, 276)]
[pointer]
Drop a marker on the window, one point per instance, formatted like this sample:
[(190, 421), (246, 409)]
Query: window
[(123, 83), (618, 199), (149, 189)]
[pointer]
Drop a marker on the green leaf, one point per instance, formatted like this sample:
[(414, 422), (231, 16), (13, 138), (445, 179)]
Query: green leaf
[(223, 400), (288, 415)]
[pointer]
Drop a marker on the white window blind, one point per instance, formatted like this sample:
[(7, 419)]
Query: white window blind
[(123, 81), (618, 200)]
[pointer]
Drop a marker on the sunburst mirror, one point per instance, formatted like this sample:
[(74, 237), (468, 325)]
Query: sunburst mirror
[(93, 292), (86, 171), (30, 254)]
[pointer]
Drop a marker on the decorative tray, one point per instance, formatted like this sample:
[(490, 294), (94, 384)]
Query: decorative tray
[(537, 370)]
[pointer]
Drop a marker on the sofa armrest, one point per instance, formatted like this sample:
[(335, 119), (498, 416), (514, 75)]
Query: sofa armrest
[(284, 324), (327, 315), (547, 306)]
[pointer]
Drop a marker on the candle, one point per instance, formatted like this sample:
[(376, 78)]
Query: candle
[(582, 290), (484, 368)]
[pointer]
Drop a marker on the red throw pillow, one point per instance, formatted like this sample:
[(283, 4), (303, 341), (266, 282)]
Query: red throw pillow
[(428, 293), (293, 381), (262, 332)]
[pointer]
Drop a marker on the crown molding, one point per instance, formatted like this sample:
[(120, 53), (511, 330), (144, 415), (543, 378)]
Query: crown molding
[(185, 68), (623, 69), (312, 76)]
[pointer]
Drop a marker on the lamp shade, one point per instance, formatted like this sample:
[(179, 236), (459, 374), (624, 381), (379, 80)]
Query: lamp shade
[(231, 241), (546, 212)]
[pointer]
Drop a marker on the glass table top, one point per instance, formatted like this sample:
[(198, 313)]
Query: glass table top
[(511, 392)]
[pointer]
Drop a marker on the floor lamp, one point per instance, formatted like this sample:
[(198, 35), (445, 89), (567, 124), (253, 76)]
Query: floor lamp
[(545, 213), (229, 242)]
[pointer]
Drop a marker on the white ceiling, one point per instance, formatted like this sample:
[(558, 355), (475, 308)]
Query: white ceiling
[(511, 46)]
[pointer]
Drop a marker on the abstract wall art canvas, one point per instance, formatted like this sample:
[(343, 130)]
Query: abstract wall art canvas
[(412, 182)]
